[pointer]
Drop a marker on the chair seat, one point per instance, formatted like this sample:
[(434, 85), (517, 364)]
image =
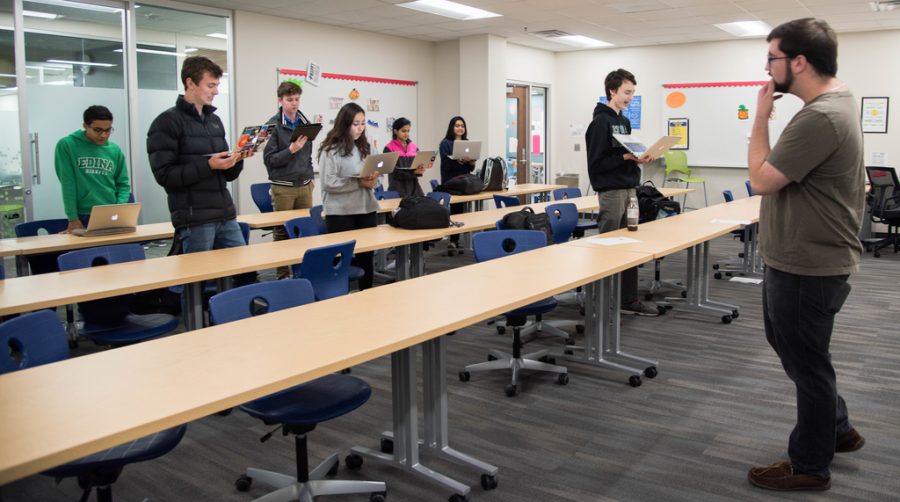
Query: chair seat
[(356, 273), (145, 448), (134, 328), (689, 179), (536, 308), (313, 402), (585, 224)]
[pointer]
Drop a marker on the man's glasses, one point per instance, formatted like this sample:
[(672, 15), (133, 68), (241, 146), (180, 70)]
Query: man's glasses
[(99, 130), (769, 59)]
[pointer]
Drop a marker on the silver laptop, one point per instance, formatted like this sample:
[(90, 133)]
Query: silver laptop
[(638, 149), (111, 219), (466, 149), (422, 158), (383, 163)]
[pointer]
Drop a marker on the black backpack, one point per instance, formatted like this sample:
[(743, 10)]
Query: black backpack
[(416, 212), (527, 219), (651, 202), (464, 184), (493, 173)]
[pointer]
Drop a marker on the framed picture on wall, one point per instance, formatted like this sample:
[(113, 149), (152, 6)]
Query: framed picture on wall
[(680, 127), (874, 113)]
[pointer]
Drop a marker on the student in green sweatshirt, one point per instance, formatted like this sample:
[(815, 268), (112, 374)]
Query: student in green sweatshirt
[(91, 169)]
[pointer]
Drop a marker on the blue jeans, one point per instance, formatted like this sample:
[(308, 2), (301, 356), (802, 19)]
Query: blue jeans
[(218, 235), (799, 315)]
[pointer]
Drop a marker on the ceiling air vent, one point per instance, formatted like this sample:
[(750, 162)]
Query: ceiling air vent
[(550, 33)]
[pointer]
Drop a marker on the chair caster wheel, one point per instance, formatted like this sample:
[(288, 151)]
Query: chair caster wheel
[(562, 379), (684, 294), (581, 311), (634, 381), (353, 461), (568, 352), (458, 498), (718, 275), (491, 358), (735, 314), (378, 497), (387, 446), (464, 376), (501, 330), (243, 483), (876, 254), (510, 390), (726, 319), (488, 482), (579, 328), (333, 471), (715, 266), (650, 372)]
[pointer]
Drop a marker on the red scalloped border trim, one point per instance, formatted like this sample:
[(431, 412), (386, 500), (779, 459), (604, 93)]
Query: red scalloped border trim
[(716, 84), (355, 78)]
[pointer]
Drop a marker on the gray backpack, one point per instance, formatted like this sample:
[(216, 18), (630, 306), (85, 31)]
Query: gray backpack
[(493, 173)]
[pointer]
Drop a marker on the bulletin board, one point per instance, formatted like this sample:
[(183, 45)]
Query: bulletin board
[(383, 99), (719, 117)]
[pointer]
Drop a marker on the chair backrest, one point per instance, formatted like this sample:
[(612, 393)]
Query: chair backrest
[(676, 162), (726, 194), (105, 310), (32, 228), (260, 298), (563, 220), (245, 231), (301, 227), (443, 198), (500, 243), (387, 194), (434, 184), (505, 201), (884, 186), (31, 340), (378, 189), (328, 269), (566, 193), (749, 188), (261, 197), (315, 213)]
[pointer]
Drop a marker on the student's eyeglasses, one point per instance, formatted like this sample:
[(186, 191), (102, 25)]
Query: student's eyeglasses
[(769, 59), (98, 130)]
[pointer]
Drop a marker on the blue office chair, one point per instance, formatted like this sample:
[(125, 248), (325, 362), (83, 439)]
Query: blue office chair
[(315, 213), (497, 244), (261, 197), (307, 226), (434, 184), (730, 265), (749, 188), (108, 321), (563, 220), (2, 271), (505, 201), (584, 224), (45, 262), (298, 410), (387, 194), (327, 268), (38, 338), (443, 198)]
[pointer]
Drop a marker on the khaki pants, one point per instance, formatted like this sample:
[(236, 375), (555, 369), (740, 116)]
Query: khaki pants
[(612, 216), (284, 199)]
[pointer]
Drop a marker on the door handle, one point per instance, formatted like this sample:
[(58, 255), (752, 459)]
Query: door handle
[(36, 155)]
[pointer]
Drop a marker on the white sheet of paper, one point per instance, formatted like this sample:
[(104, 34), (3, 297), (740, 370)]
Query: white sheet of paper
[(746, 280), (611, 241), (731, 222)]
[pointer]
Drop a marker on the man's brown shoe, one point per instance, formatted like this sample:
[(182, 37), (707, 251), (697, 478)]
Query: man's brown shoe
[(849, 441), (781, 476)]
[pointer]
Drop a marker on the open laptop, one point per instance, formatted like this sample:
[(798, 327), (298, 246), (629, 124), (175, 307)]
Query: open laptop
[(463, 149), (422, 158), (111, 219), (383, 163), (638, 149)]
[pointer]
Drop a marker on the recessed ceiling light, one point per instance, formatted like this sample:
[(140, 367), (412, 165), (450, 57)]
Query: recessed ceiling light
[(448, 9), (581, 41), (80, 63), (745, 28), (43, 15), (217, 35)]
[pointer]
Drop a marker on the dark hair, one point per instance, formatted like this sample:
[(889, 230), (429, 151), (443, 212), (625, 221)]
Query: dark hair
[(399, 124), (195, 66), (97, 112), (812, 38), (615, 79), (452, 135), (288, 88), (338, 137)]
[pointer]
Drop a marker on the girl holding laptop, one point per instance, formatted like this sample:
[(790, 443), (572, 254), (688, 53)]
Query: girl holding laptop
[(456, 131), (403, 180), (348, 200)]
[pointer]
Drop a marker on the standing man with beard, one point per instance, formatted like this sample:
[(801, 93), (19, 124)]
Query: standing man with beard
[(812, 182), (614, 173)]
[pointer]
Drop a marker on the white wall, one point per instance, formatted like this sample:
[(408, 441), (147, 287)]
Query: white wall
[(865, 63), (337, 50)]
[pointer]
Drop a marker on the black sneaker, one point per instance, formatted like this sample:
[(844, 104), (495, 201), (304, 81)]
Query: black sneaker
[(638, 307)]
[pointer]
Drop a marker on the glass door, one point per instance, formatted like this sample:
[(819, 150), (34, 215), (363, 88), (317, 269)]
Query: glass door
[(74, 58), (12, 202), (517, 131), (537, 143)]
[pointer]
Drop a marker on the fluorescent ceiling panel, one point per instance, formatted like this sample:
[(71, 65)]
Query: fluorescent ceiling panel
[(448, 9)]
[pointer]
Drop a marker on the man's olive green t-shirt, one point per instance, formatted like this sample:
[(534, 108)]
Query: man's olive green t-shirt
[(811, 226)]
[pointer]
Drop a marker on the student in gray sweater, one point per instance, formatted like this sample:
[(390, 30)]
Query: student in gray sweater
[(349, 201)]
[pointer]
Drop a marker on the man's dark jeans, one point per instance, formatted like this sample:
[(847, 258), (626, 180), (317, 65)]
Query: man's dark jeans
[(799, 316)]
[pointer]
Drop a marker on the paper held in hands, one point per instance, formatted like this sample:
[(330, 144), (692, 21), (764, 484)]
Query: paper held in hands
[(638, 149)]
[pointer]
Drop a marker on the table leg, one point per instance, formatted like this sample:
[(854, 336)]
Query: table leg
[(698, 286), (21, 265), (193, 306)]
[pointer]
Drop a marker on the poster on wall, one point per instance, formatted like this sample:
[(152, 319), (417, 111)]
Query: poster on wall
[(313, 74), (632, 113), (680, 127), (875, 115)]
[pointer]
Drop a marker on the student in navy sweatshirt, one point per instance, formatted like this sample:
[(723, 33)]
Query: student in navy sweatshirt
[(456, 131)]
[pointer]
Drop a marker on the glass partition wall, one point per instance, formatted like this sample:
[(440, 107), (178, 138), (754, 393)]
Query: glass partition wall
[(73, 54)]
